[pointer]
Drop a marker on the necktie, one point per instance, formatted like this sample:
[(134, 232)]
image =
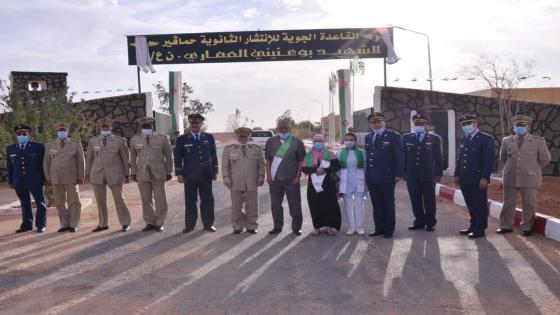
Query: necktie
[(374, 138), (196, 137), (104, 141), (419, 136), (148, 140), (21, 147), (62, 144), (520, 141), (244, 150)]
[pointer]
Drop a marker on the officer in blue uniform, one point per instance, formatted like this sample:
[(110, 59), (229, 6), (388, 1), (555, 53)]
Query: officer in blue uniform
[(475, 163), (196, 166), (384, 168), (423, 169), (25, 175)]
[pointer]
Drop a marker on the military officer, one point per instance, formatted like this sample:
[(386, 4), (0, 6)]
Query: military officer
[(384, 168), (243, 172), (523, 155), (151, 165), (196, 166), (107, 164), (475, 162), (64, 170), (423, 169), (25, 175)]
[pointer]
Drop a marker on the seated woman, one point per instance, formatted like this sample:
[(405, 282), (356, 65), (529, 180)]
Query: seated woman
[(321, 165)]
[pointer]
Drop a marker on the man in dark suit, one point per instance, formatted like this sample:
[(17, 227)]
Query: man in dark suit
[(196, 166), (384, 168), (26, 176), (423, 169), (475, 163)]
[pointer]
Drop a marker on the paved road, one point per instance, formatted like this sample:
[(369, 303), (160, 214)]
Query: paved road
[(221, 273)]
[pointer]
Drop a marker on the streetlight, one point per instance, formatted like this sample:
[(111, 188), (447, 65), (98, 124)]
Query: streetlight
[(320, 120), (429, 58)]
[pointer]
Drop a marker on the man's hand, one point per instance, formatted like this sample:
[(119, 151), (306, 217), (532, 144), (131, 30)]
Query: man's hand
[(47, 183), (228, 184), (456, 180), (86, 180), (483, 183), (133, 177), (437, 179), (168, 177), (296, 180), (12, 187), (269, 180), (260, 183), (398, 179), (127, 179), (180, 179), (80, 181), (320, 171), (215, 177), (365, 188)]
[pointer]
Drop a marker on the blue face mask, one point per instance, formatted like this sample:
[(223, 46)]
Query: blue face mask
[(62, 134), (520, 130), (468, 129), (284, 136), (318, 146), (22, 139), (105, 133), (419, 129), (147, 132), (349, 144), (379, 131)]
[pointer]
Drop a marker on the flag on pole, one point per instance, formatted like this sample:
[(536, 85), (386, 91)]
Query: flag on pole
[(176, 101), (143, 60), (357, 66), (344, 101), (332, 83), (387, 38)]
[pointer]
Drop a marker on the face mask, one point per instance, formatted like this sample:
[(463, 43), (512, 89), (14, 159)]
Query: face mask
[(22, 139), (379, 131), (468, 129), (520, 130), (147, 132), (243, 145), (419, 129), (62, 134), (284, 136), (105, 133), (349, 144), (318, 146)]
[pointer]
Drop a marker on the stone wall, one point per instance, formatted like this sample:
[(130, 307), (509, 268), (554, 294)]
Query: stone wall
[(125, 110), (19, 80)]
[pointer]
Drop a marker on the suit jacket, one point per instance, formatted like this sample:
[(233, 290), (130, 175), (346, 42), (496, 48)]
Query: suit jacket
[(196, 160), (423, 160), (25, 167), (384, 159), (154, 158), (476, 159), (522, 166), (64, 165), (107, 164), (243, 171)]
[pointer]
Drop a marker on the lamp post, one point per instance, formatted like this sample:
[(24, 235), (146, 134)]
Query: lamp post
[(322, 113), (429, 56)]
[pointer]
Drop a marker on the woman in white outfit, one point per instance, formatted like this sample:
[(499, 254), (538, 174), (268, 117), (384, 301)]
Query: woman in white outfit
[(352, 183)]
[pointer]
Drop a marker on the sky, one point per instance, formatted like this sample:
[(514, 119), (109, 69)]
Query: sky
[(86, 39)]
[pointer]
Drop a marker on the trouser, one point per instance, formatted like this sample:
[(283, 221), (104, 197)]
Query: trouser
[(528, 201), (150, 192), (67, 201), (383, 201), (100, 192), (423, 199), (477, 203), (192, 191), (23, 194), (244, 219), (277, 190), (354, 206)]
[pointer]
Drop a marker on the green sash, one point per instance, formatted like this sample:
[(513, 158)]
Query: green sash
[(309, 157), (344, 158), (284, 147)]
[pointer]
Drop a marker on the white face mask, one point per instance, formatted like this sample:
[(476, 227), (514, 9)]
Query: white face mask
[(105, 133), (147, 132)]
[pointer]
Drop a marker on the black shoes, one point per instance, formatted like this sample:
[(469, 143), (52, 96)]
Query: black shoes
[(125, 228), (159, 228), (41, 230), (415, 227), (237, 231), (188, 229), (252, 231), (387, 235), (275, 231), (100, 228), (21, 230), (296, 232), (474, 235), (375, 233), (526, 233), (465, 232), (430, 228), (210, 229), (504, 231), (148, 227), (72, 229), (64, 229)]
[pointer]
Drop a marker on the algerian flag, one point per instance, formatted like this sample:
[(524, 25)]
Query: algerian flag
[(344, 100), (357, 66), (176, 101)]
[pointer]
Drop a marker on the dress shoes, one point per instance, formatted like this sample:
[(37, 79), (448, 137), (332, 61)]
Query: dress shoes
[(41, 230), (526, 233), (252, 231), (474, 235), (465, 232), (415, 227), (148, 227), (21, 230), (72, 229), (237, 231), (296, 232), (275, 231), (100, 228), (388, 235), (125, 228), (210, 229), (159, 228), (188, 229), (503, 231), (375, 233), (64, 229), (430, 228)]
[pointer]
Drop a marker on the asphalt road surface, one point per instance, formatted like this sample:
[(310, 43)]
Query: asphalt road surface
[(416, 272)]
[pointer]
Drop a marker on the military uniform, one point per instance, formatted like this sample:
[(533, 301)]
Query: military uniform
[(243, 169), (25, 175), (151, 165), (107, 164), (475, 161), (523, 156), (384, 162), (423, 164), (196, 161), (64, 170)]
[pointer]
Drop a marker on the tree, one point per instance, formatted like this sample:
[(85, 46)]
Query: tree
[(501, 77), (287, 115), (237, 120), (190, 105)]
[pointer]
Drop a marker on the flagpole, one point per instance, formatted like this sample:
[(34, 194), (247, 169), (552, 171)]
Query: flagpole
[(138, 74), (385, 72)]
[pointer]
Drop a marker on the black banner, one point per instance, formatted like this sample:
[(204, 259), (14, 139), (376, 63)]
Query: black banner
[(344, 43)]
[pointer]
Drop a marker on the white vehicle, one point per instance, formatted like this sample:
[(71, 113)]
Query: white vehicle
[(259, 137)]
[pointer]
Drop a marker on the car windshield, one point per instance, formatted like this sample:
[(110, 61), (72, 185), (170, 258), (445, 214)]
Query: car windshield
[(261, 134)]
